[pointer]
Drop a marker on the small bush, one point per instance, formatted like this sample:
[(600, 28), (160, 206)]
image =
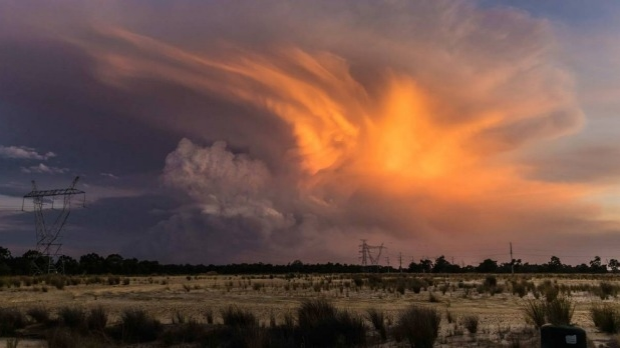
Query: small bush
[(321, 325), (114, 280), (606, 289), (63, 337), (188, 332), (377, 319), (535, 312), (209, 315), (11, 320), (72, 317), (40, 315), (560, 311), (137, 326), (419, 325), (470, 322), (97, 319), (519, 289), (606, 317), (237, 318), (416, 285), (449, 317), (490, 281)]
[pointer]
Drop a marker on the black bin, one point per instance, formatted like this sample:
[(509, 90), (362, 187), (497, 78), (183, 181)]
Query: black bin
[(553, 336)]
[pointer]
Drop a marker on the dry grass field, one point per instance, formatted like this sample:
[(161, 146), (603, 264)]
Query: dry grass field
[(491, 307)]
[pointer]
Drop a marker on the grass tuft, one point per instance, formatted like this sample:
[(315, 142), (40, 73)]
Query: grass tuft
[(236, 317), (606, 317), (470, 322), (377, 318), (419, 325), (137, 326)]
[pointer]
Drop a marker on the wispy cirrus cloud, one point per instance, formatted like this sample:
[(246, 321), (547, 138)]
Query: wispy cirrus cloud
[(43, 169), (24, 152)]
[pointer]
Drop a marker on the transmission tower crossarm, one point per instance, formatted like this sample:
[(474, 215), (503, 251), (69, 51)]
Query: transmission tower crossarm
[(58, 192)]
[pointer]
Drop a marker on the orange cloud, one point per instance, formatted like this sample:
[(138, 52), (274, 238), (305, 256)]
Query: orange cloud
[(426, 140)]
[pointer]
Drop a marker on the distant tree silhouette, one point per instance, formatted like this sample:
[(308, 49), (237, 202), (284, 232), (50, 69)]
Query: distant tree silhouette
[(487, 266)]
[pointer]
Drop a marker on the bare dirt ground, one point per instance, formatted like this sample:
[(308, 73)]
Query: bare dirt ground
[(501, 318)]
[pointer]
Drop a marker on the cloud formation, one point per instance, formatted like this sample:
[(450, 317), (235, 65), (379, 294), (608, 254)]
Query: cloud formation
[(303, 127), (43, 169), (24, 152)]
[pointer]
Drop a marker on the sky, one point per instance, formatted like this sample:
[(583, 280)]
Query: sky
[(220, 131)]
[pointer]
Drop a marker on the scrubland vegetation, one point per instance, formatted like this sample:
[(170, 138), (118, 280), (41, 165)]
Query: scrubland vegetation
[(116, 302), (310, 310)]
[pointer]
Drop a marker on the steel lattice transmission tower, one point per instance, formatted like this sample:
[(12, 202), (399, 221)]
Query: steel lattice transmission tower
[(366, 253), (48, 232)]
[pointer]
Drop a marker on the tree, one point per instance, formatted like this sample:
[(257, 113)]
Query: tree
[(5, 254), (441, 265), (555, 265), (68, 264), (426, 265), (613, 264), (92, 263), (596, 266), (114, 264), (487, 266), (5, 261)]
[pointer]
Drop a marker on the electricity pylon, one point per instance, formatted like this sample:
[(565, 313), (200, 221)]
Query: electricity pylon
[(48, 235), (366, 253)]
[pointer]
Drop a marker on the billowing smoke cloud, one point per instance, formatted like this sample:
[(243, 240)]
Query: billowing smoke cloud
[(404, 122)]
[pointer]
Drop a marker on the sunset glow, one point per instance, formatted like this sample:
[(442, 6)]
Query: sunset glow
[(292, 131)]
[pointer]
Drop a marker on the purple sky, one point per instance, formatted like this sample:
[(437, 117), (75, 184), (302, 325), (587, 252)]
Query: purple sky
[(216, 132)]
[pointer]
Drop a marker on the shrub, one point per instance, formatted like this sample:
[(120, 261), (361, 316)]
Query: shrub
[(72, 317), (377, 319), (39, 314), (97, 319), (209, 315), (11, 320), (321, 325), (490, 281), (137, 326), (63, 337), (188, 332), (237, 318), (535, 313), (432, 298), (605, 317), (471, 323), (114, 280), (416, 285), (557, 312), (351, 328), (449, 317), (419, 325), (606, 289), (560, 311), (519, 289)]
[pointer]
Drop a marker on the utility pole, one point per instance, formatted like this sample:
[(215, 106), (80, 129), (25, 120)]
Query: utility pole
[(400, 262), (512, 261)]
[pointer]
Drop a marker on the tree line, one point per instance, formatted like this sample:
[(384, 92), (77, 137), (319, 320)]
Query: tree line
[(93, 263)]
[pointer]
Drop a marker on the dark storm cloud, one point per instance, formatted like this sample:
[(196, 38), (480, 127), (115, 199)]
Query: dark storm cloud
[(225, 104)]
